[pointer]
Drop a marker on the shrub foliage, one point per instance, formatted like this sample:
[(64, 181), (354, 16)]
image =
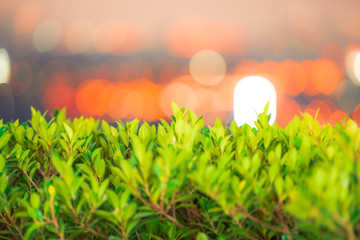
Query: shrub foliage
[(85, 179)]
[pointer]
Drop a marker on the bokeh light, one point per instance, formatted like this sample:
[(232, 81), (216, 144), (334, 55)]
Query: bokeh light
[(297, 77), (324, 109), (310, 85), (119, 62), (59, 95), (250, 97), (4, 66), (27, 17), (349, 98), (207, 67), (352, 63), (357, 68), (287, 109), (176, 92), (47, 35), (325, 76), (92, 98), (277, 75), (337, 117)]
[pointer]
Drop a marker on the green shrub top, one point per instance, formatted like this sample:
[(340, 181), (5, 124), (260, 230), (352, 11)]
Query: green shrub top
[(83, 179)]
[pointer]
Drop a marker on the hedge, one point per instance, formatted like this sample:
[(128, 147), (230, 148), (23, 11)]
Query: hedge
[(86, 179)]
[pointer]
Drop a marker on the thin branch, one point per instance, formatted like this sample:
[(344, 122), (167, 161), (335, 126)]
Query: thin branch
[(246, 233), (54, 220), (90, 230), (265, 224), (8, 217), (156, 206), (31, 181)]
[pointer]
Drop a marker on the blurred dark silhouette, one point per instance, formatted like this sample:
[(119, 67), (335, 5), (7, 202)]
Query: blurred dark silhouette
[(7, 105)]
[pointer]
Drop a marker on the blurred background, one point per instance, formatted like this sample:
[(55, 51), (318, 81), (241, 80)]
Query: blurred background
[(115, 59)]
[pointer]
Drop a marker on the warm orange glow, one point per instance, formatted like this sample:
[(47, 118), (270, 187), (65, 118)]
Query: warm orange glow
[(187, 36), (277, 74), (337, 116), (287, 109), (149, 93), (78, 36), (210, 117), (324, 110), (297, 77), (223, 98), (356, 115), (248, 68), (207, 67), (310, 87), (138, 98), (92, 97), (325, 76), (181, 94), (116, 102), (27, 17), (59, 96)]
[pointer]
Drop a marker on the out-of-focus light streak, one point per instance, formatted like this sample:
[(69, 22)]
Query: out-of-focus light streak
[(250, 97), (4, 66), (207, 67)]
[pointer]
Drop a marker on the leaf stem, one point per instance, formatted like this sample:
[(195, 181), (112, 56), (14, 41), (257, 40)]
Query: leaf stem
[(54, 220)]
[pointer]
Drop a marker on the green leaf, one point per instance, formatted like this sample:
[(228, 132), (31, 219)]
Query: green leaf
[(100, 171), (105, 127), (68, 130), (35, 200), (2, 162), (31, 230), (175, 108), (201, 236), (4, 139)]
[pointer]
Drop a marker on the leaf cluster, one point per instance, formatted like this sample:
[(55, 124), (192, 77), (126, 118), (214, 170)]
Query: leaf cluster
[(86, 179)]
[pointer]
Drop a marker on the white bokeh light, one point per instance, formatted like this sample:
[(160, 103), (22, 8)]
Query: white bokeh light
[(357, 68), (251, 94), (4, 66), (47, 35), (207, 67)]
